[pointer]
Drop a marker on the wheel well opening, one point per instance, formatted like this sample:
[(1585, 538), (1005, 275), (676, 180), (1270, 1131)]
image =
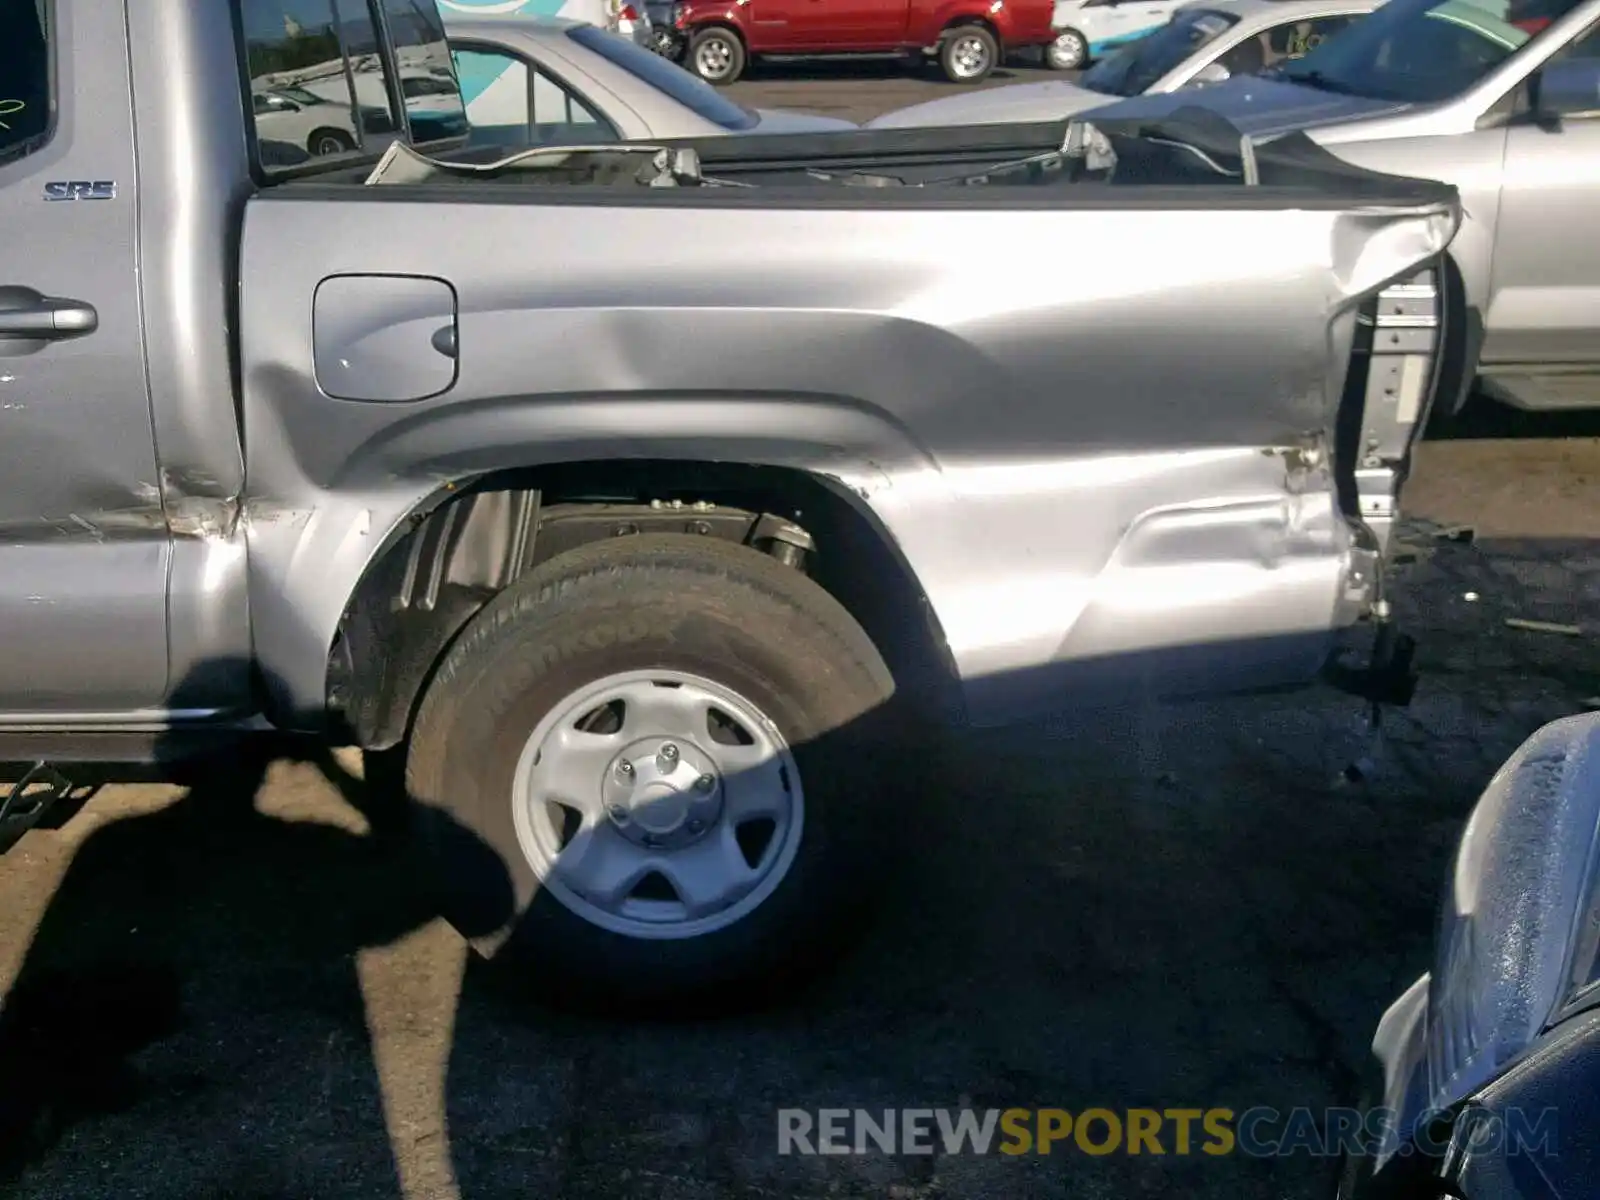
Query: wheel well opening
[(422, 590), (967, 21), (702, 26)]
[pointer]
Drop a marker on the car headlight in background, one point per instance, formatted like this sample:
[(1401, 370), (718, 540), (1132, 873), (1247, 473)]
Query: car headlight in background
[(1515, 940)]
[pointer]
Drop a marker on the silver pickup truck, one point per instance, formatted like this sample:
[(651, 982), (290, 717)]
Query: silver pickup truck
[(634, 495)]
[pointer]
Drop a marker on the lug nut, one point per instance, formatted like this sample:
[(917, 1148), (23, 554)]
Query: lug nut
[(618, 813), (625, 771), (669, 753), (705, 783)]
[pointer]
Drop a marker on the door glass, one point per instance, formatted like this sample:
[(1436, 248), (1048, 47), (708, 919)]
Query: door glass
[(1294, 38), (1570, 80), (513, 104), (496, 90), (24, 77), (306, 104), (1279, 43), (561, 117), (428, 84)]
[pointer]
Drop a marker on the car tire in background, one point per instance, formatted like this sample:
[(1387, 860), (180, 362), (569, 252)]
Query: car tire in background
[(610, 728), (1068, 52), (324, 142), (968, 53), (717, 55)]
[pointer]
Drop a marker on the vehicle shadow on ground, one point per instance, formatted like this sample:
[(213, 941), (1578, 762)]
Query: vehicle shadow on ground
[(190, 994)]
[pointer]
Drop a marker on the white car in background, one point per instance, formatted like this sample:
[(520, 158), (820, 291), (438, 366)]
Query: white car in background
[(620, 16), (1087, 30), (1204, 43), (308, 120), (542, 81)]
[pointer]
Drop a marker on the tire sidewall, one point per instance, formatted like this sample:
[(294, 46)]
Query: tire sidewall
[(494, 714)]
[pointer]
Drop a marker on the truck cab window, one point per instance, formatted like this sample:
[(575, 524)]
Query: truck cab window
[(24, 76), (318, 83), (305, 101), (428, 84)]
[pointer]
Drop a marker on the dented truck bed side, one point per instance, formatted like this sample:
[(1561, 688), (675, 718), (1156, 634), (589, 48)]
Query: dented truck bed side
[(1173, 469)]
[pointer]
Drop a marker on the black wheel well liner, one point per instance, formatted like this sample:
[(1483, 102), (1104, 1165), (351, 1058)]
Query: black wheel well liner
[(422, 589), (973, 19), (700, 27)]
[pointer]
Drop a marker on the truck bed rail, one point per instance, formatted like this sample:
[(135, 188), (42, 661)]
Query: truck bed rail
[(1191, 148)]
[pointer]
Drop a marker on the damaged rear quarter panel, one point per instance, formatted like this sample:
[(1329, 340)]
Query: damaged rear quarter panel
[(1090, 431)]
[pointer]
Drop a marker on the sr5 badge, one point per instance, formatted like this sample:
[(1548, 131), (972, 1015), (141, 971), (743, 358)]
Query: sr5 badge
[(80, 189)]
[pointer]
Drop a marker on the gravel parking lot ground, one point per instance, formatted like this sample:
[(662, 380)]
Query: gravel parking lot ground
[(1161, 906)]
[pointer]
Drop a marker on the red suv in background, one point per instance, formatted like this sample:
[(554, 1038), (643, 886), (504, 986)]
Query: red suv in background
[(968, 37)]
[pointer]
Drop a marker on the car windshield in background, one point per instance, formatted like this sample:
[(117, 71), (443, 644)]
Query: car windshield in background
[(665, 76), (1423, 51), (1132, 70)]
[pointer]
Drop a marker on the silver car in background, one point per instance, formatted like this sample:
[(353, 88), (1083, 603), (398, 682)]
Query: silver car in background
[(1204, 43), (1500, 98), (540, 81)]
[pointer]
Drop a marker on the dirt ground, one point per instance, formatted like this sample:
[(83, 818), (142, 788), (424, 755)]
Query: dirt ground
[(1160, 906)]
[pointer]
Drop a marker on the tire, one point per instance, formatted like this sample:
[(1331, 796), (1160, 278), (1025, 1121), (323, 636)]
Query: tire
[(1068, 52), (717, 55), (730, 627), (324, 142), (1453, 392), (968, 53)]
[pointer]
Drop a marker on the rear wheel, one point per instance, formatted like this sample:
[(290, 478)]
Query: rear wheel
[(1068, 52), (968, 53), (669, 746), (717, 55)]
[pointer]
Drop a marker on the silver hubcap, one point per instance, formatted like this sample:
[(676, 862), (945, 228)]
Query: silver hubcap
[(1066, 50), (328, 145), (969, 56), (658, 804), (714, 58)]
